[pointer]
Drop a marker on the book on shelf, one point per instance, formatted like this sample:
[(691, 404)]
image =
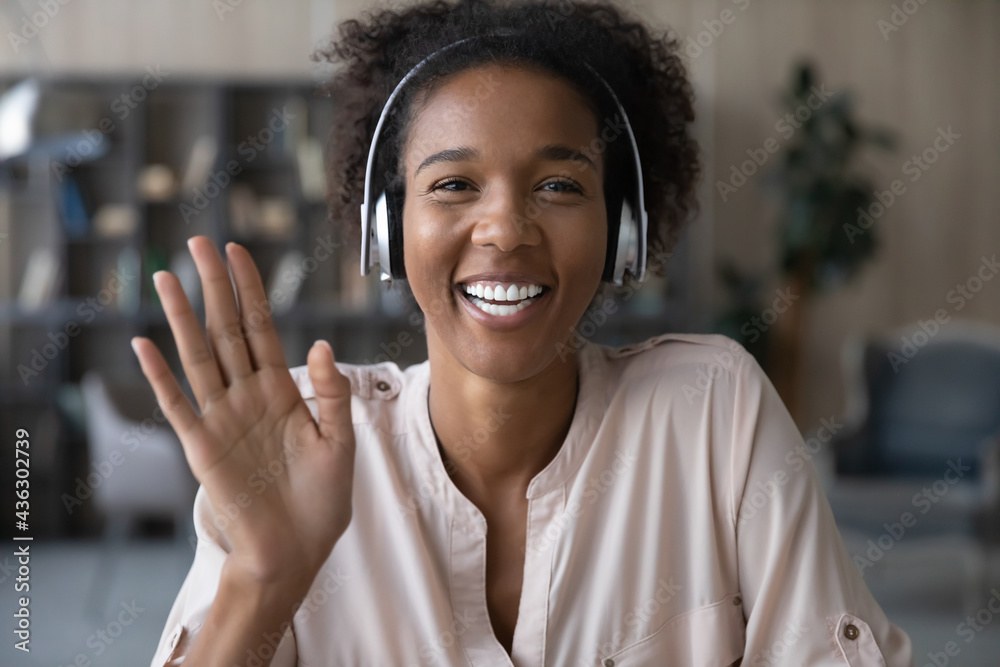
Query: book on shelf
[(125, 280), (200, 162), (6, 248), (355, 289), (277, 217), (312, 177), (156, 182), (182, 265), (116, 220), (155, 260), (243, 210), (285, 282), (297, 115), (72, 209), (251, 216), (41, 277)]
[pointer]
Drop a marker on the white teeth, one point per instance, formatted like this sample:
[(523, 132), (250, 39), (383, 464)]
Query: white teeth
[(498, 309), (496, 292)]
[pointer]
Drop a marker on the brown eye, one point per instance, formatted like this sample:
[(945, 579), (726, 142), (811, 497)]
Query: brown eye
[(565, 186), (443, 185)]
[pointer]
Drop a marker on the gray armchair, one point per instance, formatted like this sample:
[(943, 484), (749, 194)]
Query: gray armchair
[(138, 468), (917, 465), (141, 463)]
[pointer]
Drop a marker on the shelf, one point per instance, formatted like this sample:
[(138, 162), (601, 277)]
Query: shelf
[(217, 116), (66, 312)]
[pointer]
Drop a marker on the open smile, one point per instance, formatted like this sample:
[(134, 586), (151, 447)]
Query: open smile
[(502, 304)]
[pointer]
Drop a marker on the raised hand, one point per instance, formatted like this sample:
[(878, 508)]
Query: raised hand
[(253, 416)]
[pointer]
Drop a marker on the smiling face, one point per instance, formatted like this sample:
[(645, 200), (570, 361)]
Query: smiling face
[(502, 200)]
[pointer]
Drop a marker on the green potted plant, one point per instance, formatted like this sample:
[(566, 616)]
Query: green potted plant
[(823, 235)]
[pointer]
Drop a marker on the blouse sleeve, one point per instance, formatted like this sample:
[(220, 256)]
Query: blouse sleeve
[(190, 608), (804, 600)]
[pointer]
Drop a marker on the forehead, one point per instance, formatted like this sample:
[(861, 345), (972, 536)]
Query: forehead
[(502, 111)]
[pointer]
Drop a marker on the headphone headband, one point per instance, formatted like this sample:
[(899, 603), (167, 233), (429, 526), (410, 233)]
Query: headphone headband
[(630, 253)]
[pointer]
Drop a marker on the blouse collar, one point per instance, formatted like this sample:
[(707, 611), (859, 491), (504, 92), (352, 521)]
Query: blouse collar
[(591, 403)]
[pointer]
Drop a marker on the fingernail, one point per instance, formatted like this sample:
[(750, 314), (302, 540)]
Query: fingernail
[(135, 347)]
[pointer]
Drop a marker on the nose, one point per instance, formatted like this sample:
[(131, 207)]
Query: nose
[(507, 219)]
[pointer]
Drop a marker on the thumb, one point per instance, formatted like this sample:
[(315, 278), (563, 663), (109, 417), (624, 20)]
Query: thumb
[(333, 394)]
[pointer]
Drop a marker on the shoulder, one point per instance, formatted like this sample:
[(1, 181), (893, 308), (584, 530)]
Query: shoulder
[(706, 369), (376, 391), (687, 357)]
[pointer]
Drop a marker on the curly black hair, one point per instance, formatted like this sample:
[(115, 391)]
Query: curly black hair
[(643, 68)]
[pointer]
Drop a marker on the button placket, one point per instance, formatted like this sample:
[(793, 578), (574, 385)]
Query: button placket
[(468, 595), (532, 616)]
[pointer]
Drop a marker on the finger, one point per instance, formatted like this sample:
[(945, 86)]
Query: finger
[(255, 311), (174, 403), (199, 364), (222, 317), (333, 394)]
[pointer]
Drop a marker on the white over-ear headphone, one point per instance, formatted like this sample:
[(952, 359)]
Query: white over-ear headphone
[(381, 244)]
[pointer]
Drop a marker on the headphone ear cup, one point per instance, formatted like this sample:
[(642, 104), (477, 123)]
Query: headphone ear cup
[(614, 208), (394, 209)]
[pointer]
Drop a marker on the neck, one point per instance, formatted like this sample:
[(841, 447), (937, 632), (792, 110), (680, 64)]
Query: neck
[(496, 436)]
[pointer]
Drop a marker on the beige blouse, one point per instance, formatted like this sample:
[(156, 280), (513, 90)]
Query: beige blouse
[(679, 524)]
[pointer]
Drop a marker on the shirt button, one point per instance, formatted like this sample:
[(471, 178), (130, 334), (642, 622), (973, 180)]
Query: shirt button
[(737, 600), (851, 631), (382, 385), (609, 663)]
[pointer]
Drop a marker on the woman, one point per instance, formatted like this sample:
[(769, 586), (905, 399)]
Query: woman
[(523, 497)]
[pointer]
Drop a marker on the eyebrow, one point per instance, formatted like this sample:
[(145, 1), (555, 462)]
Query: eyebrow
[(552, 152)]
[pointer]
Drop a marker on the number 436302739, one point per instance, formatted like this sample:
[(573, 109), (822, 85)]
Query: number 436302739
[(21, 463)]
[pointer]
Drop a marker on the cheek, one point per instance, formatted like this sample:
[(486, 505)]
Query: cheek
[(430, 257), (583, 253)]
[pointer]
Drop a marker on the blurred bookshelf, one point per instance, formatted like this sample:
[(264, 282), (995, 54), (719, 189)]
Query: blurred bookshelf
[(119, 174)]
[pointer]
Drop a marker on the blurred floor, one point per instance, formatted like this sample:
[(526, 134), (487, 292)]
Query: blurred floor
[(147, 576), (74, 614)]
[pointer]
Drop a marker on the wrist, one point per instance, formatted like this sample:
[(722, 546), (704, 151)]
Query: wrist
[(245, 610), (256, 588)]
